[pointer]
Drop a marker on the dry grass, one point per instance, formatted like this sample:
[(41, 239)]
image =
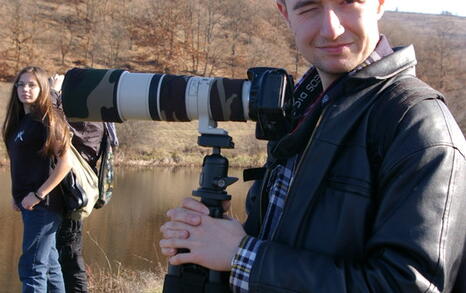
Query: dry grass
[(124, 280), (116, 278)]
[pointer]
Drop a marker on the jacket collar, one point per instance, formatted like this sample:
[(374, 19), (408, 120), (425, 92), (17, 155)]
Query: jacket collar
[(403, 58)]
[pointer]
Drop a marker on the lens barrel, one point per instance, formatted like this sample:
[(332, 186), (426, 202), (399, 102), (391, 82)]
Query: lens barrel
[(115, 96)]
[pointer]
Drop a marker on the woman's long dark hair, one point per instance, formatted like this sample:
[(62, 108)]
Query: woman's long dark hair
[(58, 135)]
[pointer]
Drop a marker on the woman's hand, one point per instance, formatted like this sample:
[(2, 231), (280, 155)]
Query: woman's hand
[(30, 201)]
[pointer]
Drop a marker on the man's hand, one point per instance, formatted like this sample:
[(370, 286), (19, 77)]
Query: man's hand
[(30, 201), (212, 243), (56, 82)]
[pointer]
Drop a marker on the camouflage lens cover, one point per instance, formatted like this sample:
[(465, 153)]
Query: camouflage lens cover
[(90, 94)]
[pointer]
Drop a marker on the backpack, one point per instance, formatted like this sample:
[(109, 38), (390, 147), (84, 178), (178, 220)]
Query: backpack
[(94, 141), (80, 186)]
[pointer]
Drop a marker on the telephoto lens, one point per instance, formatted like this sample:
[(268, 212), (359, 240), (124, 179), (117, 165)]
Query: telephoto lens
[(115, 95)]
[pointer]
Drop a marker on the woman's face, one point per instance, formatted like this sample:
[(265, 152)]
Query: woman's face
[(28, 89)]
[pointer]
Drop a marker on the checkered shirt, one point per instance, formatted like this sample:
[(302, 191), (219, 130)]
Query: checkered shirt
[(280, 178)]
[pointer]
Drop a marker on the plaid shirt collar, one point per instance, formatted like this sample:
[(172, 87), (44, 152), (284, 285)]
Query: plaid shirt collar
[(382, 49)]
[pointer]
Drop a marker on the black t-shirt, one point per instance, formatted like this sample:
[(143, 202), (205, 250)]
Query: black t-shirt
[(29, 168)]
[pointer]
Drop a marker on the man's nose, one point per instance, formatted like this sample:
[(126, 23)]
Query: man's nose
[(331, 27)]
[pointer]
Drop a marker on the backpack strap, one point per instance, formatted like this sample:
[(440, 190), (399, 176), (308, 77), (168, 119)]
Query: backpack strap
[(106, 168)]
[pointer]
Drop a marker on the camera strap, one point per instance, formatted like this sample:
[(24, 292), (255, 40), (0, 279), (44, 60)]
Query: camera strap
[(307, 90), (310, 100)]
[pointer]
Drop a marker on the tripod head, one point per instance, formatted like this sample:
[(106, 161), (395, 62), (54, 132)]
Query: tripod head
[(213, 181), (214, 177)]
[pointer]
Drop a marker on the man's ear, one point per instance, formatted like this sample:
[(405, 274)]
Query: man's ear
[(381, 9), (283, 11)]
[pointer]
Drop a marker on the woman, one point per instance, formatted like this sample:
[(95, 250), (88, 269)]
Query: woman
[(35, 134)]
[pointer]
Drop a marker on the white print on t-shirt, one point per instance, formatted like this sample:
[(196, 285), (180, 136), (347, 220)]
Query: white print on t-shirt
[(19, 136)]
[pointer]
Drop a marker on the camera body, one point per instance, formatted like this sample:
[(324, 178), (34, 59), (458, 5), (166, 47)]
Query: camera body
[(270, 101)]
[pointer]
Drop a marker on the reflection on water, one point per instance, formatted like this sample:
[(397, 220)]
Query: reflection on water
[(126, 231)]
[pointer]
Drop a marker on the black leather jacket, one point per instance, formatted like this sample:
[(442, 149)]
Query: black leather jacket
[(377, 203)]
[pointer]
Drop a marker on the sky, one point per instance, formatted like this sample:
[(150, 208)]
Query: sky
[(456, 7)]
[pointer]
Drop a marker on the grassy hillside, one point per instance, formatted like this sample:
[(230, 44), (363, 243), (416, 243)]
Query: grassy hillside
[(198, 37)]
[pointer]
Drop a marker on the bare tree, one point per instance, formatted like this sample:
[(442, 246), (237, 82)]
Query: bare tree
[(88, 13), (17, 31), (66, 37), (240, 19)]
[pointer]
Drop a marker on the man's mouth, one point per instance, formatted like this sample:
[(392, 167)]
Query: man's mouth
[(334, 48)]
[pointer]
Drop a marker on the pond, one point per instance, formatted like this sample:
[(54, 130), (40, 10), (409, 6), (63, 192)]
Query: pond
[(126, 231)]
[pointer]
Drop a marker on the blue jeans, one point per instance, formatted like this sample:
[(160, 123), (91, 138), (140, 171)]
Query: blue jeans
[(39, 269)]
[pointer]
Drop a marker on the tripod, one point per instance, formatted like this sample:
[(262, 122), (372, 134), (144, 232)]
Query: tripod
[(191, 278)]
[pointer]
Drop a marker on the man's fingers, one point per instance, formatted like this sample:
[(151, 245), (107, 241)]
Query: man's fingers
[(192, 204), (175, 226), (185, 216), (175, 243), (182, 258), (169, 251), (179, 234)]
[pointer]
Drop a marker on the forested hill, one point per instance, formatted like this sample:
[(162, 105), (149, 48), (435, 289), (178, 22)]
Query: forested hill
[(202, 37)]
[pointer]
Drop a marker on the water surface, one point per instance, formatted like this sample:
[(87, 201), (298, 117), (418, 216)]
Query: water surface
[(126, 231)]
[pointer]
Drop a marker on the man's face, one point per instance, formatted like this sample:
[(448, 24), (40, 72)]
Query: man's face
[(334, 35)]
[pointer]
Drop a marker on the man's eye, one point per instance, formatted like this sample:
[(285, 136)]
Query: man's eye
[(354, 1), (306, 10)]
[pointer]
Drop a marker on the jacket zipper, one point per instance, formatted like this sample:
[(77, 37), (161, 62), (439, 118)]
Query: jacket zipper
[(298, 166)]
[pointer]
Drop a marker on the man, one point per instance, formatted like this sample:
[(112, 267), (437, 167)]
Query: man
[(373, 201)]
